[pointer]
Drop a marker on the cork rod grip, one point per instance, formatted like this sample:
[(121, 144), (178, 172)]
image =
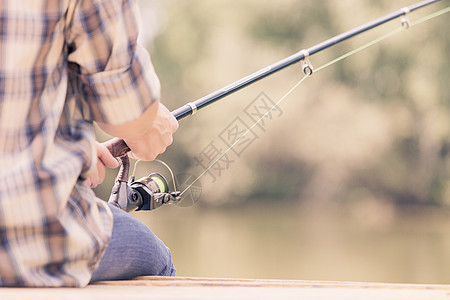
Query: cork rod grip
[(117, 147)]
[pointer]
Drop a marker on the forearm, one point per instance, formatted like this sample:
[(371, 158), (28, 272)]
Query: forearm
[(135, 128)]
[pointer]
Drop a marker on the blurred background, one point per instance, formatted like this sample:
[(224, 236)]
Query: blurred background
[(347, 179)]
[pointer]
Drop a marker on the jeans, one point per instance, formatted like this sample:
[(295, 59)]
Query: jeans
[(134, 250)]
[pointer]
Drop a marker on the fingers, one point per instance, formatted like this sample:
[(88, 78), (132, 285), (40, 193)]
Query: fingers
[(157, 143), (156, 139), (151, 152), (151, 146), (88, 182), (105, 157), (97, 176)]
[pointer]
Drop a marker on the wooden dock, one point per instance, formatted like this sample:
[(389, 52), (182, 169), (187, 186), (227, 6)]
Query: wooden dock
[(182, 288)]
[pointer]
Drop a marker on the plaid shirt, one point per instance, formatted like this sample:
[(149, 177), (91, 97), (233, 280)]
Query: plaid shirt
[(64, 64)]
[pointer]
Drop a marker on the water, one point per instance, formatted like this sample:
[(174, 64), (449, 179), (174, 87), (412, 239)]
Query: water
[(328, 242)]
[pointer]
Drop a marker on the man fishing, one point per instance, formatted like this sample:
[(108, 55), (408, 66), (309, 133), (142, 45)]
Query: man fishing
[(64, 65)]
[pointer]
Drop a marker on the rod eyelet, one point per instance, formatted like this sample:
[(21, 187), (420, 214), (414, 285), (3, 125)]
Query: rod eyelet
[(405, 21), (307, 66)]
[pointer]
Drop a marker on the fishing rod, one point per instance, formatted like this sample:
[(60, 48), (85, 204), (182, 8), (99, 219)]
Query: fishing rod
[(152, 191)]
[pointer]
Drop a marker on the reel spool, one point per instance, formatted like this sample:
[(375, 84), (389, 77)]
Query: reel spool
[(147, 193)]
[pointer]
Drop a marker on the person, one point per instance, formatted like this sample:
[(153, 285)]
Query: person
[(66, 64)]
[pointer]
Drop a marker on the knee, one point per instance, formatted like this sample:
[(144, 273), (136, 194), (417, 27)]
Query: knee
[(167, 266), (158, 256)]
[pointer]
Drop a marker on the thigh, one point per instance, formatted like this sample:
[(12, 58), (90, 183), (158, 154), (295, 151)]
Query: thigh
[(134, 250)]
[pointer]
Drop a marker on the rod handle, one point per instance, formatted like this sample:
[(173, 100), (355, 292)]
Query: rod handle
[(117, 147)]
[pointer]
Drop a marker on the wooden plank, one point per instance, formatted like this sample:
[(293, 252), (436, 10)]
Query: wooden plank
[(186, 288)]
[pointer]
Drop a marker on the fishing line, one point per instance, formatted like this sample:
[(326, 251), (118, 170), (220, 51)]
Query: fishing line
[(132, 177), (379, 39), (371, 43), (244, 134)]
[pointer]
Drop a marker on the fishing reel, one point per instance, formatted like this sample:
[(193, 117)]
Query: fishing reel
[(147, 193)]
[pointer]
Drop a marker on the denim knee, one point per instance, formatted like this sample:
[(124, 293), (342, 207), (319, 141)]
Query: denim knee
[(169, 268), (134, 250)]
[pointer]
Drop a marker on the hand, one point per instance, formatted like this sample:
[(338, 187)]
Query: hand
[(155, 139), (105, 159)]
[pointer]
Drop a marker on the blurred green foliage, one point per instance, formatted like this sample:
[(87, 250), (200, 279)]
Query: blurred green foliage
[(318, 194), (375, 126)]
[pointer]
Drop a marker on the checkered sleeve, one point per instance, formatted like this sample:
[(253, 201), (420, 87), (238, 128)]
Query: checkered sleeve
[(114, 72)]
